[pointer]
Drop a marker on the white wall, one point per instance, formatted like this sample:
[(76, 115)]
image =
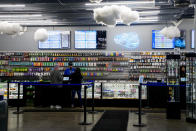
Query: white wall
[(26, 42)]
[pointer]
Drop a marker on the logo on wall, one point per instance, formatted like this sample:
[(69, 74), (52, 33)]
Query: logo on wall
[(129, 40)]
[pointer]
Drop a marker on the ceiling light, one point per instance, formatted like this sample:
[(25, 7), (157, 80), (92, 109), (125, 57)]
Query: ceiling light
[(150, 12), (23, 15), (150, 20), (147, 18), (11, 5), (121, 3)]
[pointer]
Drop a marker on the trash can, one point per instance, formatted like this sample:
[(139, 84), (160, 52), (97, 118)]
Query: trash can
[(3, 115)]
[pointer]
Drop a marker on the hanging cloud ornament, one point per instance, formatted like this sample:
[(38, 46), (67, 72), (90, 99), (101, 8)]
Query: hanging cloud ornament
[(95, 1), (109, 15), (170, 32), (11, 28), (41, 35)]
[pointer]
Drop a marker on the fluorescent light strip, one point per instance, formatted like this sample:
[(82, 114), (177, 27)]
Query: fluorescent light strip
[(33, 21), (121, 3), (149, 20), (16, 16), (150, 12), (11, 5)]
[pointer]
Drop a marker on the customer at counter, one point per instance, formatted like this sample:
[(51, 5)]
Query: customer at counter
[(56, 90), (76, 78)]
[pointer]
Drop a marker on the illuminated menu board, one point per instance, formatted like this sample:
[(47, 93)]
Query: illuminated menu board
[(56, 40), (90, 39), (160, 42)]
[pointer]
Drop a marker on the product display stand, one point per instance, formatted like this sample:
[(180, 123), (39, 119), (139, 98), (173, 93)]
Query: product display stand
[(93, 103), (84, 122), (18, 102), (139, 124)]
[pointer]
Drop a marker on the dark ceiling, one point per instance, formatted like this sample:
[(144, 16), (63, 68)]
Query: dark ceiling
[(75, 12)]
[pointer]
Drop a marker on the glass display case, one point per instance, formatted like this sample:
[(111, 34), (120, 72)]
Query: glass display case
[(191, 87), (115, 90), (173, 85), (173, 76), (13, 91), (97, 91), (3, 90), (122, 90)]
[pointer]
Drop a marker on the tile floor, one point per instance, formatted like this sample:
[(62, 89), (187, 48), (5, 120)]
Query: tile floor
[(68, 121)]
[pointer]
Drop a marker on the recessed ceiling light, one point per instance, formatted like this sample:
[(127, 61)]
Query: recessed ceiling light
[(22, 15), (11, 5), (121, 3)]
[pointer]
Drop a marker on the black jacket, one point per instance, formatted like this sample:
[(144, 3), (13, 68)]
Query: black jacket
[(76, 78)]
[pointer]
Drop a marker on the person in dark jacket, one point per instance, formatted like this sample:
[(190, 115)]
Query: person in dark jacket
[(76, 78), (55, 78)]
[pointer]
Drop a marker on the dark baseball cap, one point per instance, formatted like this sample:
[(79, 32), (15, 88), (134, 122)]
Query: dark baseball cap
[(70, 63)]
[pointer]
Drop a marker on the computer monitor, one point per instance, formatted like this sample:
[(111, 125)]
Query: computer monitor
[(65, 78)]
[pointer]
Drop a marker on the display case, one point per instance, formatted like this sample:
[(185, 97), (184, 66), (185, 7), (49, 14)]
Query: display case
[(115, 90), (97, 91), (3, 90), (29, 94), (122, 90), (13, 91), (173, 76), (191, 87), (173, 85)]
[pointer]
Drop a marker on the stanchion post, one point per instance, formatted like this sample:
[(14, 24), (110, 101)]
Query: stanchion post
[(85, 101), (8, 92), (101, 91), (93, 98), (18, 102), (140, 124)]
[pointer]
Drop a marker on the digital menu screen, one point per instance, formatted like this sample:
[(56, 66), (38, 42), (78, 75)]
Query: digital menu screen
[(90, 39), (161, 42), (56, 40)]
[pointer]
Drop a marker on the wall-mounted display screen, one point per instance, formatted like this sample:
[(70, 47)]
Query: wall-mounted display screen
[(56, 40), (90, 39), (192, 39), (161, 42)]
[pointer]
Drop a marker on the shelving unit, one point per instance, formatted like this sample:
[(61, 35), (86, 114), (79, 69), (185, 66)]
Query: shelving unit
[(39, 64), (149, 64), (190, 87)]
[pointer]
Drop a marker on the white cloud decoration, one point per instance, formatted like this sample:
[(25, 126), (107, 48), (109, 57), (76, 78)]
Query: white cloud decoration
[(95, 1), (11, 28), (109, 15), (41, 35), (170, 32)]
